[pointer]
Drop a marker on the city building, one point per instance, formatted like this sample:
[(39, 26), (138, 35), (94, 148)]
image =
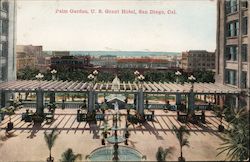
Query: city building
[(70, 62), (25, 57), (7, 40), (33, 57), (233, 49), (43, 63), (198, 60), (145, 62), (7, 43), (60, 53), (104, 61)]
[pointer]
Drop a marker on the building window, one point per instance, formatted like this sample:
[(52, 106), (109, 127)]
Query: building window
[(4, 6), (245, 4), (233, 29), (1, 49), (230, 77), (244, 79), (244, 26), (1, 26), (231, 53), (231, 6), (4, 49), (244, 53), (4, 27)]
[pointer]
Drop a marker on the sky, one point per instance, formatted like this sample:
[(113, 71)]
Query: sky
[(185, 25)]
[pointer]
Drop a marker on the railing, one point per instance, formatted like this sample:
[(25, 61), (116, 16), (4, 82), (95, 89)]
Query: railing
[(68, 105), (75, 105)]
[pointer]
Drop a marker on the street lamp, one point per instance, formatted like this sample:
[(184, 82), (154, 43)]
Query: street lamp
[(140, 78), (95, 72), (136, 72), (178, 74), (39, 77), (91, 76), (192, 79), (53, 72)]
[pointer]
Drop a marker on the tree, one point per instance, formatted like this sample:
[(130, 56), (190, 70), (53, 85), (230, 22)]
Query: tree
[(236, 139), (27, 73), (182, 134), (161, 154), (50, 139), (69, 156)]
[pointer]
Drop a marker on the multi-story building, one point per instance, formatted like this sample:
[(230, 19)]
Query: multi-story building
[(25, 57), (145, 62), (43, 63), (60, 53), (70, 62), (233, 49), (33, 57), (198, 60), (7, 43), (104, 61), (7, 40)]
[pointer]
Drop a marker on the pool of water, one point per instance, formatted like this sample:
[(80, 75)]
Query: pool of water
[(124, 154)]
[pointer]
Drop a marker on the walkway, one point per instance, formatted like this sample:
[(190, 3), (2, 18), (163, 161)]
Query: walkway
[(27, 143)]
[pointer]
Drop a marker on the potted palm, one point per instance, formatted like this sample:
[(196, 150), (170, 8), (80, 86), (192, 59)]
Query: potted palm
[(105, 131), (161, 154), (69, 156), (104, 107), (182, 134), (50, 139), (9, 111), (219, 113), (52, 107)]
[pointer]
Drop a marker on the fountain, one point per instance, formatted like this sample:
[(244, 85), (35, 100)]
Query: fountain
[(116, 153)]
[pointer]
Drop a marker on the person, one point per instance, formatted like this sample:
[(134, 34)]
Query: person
[(63, 104)]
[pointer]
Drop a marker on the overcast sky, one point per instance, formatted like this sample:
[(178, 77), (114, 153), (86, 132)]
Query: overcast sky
[(193, 26)]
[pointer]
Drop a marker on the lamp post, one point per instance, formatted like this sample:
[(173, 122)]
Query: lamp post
[(191, 101), (178, 95), (178, 74), (91, 77), (91, 96), (192, 80), (95, 73), (39, 96), (53, 72), (140, 79), (39, 77), (140, 97), (52, 94)]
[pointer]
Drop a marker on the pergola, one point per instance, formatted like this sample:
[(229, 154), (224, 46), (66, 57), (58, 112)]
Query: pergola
[(139, 89)]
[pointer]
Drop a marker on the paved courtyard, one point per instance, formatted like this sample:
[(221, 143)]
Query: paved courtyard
[(27, 141)]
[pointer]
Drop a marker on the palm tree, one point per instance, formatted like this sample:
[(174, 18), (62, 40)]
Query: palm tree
[(219, 112), (236, 140), (161, 154), (69, 156), (50, 139), (182, 134)]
